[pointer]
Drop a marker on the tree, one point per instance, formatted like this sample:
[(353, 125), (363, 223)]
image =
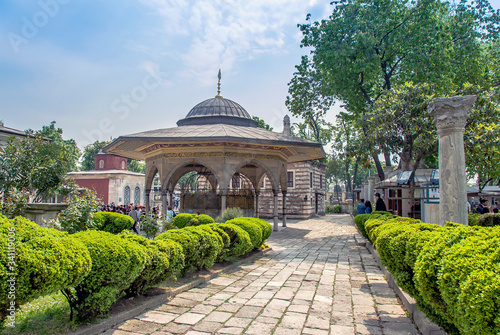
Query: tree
[(369, 47), (88, 158), (262, 123), (33, 165), (307, 100), (70, 145)]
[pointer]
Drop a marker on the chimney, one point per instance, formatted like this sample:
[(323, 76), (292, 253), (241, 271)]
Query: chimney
[(286, 126)]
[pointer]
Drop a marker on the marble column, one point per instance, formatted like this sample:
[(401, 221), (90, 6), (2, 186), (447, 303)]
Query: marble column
[(450, 117), (364, 189), (343, 195), (223, 201), (147, 199), (284, 208), (257, 193), (275, 211), (164, 197), (371, 189), (170, 198)]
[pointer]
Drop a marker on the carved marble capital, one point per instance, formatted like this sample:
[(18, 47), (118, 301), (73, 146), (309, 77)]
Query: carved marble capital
[(451, 113)]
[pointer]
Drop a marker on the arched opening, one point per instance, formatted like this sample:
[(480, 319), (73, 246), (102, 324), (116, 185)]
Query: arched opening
[(137, 195), (126, 195)]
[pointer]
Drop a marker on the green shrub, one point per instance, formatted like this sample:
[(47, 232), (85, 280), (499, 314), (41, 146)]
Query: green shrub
[(116, 263), (149, 223), (266, 228), (479, 302), (175, 257), (79, 215), (253, 229), (360, 220), (193, 222), (189, 243), (480, 251), (337, 209), (111, 222), (488, 220), (155, 268), (44, 260), (329, 209), (229, 214), (209, 246), (182, 219), (473, 218), (240, 242), (226, 241), (204, 219)]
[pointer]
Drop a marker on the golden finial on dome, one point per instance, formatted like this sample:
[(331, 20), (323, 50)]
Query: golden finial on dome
[(218, 87)]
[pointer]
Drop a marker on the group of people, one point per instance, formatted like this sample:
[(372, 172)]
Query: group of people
[(484, 207), (122, 209), (365, 207)]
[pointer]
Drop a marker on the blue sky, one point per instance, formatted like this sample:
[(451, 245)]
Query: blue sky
[(102, 69)]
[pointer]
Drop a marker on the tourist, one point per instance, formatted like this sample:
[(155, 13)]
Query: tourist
[(482, 208), (361, 207), (379, 203), (368, 206), (170, 214), (134, 214)]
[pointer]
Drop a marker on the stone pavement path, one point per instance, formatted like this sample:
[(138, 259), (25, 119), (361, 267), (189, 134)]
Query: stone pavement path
[(314, 281)]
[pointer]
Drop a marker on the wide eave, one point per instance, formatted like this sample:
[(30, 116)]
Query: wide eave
[(142, 145)]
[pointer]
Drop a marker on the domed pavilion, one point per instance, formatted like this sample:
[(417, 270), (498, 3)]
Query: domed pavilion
[(230, 154)]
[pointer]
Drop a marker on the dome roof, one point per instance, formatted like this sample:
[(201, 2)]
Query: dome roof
[(218, 110)]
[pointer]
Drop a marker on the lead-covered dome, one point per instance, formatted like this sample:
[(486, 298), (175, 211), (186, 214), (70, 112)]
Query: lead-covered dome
[(218, 110)]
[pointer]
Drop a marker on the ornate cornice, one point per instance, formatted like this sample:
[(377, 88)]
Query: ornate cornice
[(159, 146), (219, 154)]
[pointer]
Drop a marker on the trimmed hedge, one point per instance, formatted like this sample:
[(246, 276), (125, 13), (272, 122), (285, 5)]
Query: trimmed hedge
[(113, 223), (44, 259), (156, 266), (116, 263), (488, 220), (224, 238), (175, 255), (453, 272), (209, 246), (253, 229), (360, 220), (181, 220), (240, 242), (189, 244)]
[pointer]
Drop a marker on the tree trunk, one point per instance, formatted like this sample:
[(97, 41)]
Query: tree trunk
[(387, 157), (380, 170)]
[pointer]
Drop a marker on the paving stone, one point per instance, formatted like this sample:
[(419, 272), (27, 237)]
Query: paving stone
[(299, 308), (194, 332), (173, 309), (287, 331), (183, 302), (218, 316), (176, 328), (189, 318), (368, 330), (269, 320), (229, 307), (248, 312), (342, 330), (118, 332), (138, 326), (238, 322), (208, 326), (259, 328), (318, 322), (158, 317), (399, 328), (230, 330), (293, 320), (313, 331)]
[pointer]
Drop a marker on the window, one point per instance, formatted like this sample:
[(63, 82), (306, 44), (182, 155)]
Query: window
[(123, 165), (126, 195), (311, 179), (101, 164), (137, 195), (289, 179), (320, 182)]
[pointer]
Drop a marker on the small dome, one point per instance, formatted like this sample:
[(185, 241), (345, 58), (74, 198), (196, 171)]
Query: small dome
[(218, 110)]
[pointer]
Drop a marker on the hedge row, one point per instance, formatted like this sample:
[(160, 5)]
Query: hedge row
[(95, 268), (452, 271)]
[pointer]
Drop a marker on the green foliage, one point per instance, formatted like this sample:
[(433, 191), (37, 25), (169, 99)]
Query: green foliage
[(240, 242), (79, 215), (116, 263), (150, 225), (224, 239), (69, 146), (181, 220), (488, 220), (33, 165), (175, 257), (473, 219), (209, 246), (14, 203), (229, 214), (111, 222), (267, 229), (204, 219), (189, 243), (90, 150), (262, 124), (44, 260), (253, 229), (337, 208), (156, 267), (360, 220)]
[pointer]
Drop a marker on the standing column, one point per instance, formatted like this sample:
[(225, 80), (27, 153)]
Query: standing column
[(371, 188), (223, 201), (364, 189), (164, 197), (284, 208), (170, 198), (147, 199), (257, 193), (450, 118), (275, 211)]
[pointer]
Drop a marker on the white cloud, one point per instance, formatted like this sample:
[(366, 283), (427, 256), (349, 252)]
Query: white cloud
[(224, 33)]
